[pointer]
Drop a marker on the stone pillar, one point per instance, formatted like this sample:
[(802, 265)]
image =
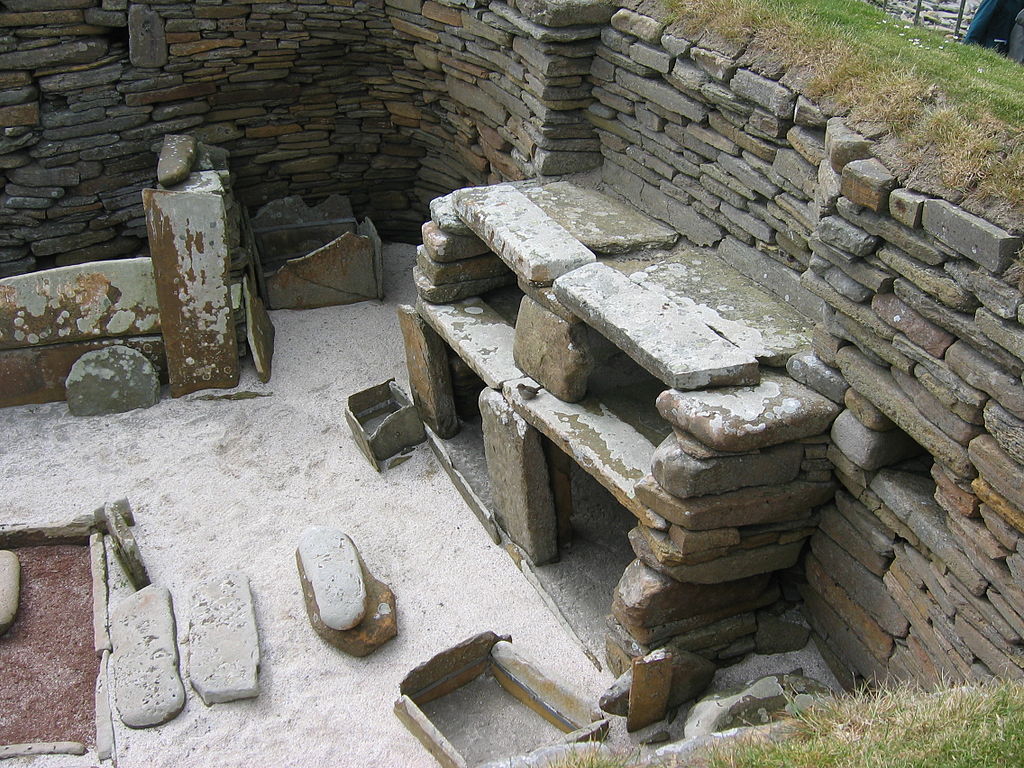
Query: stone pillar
[(519, 479), (426, 357)]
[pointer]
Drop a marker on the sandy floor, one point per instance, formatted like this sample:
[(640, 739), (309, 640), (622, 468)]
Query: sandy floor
[(220, 485)]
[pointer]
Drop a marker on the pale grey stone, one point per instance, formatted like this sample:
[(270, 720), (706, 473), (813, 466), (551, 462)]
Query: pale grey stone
[(868, 449), (104, 716), (846, 237), (552, 350), (684, 476), (224, 650), (147, 688), (41, 748), (126, 549), (843, 145), (100, 596), (773, 96), (669, 339), (756, 704), (980, 241), (114, 379), (177, 156), (809, 370), (520, 232), (330, 563), (10, 588)]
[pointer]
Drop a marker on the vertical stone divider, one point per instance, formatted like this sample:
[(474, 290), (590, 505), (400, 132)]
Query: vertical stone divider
[(426, 357), (560, 473), (519, 478), (191, 263)]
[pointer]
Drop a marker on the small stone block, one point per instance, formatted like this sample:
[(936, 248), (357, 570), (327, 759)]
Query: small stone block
[(980, 241), (332, 573), (177, 156), (868, 183), (223, 650), (553, 351)]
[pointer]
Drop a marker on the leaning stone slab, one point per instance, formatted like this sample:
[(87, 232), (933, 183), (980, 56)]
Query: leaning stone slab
[(478, 334), (78, 303), (650, 689), (125, 547), (177, 156), (777, 410), (601, 223), (188, 241), (346, 605), (980, 241), (223, 648), (10, 588), (341, 272), (534, 245), (426, 360), (147, 688), (114, 379), (684, 476), (669, 340)]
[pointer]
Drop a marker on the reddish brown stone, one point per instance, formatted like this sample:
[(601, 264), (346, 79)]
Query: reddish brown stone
[(902, 317), (341, 272)]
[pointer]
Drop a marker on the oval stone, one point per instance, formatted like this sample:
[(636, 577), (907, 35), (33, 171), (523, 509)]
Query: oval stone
[(330, 563)]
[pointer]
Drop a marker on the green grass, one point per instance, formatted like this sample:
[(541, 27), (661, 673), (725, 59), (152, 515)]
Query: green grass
[(957, 110)]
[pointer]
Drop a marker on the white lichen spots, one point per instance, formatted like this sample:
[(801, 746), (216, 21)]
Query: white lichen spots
[(474, 310), (120, 322)]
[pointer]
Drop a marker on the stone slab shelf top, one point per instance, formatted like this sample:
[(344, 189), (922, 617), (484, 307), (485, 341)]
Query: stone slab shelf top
[(602, 223), (478, 334), (669, 338), (613, 451), (533, 244)]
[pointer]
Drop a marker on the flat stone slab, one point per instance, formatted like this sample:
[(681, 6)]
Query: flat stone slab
[(78, 303), (479, 335), (601, 223), (684, 476), (775, 411), (10, 588), (613, 451), (330, 565), (533, 244), (728, 301), (669, 339), (341, 272), (147, 688), (223, 648), (115, 379)]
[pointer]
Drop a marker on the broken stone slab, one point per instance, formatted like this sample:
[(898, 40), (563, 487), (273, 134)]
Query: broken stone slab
[(346, 605), (669, 340), (868, 449), (177, 157), (426, 360), (191, 259), (603, 224), (147, 688), (383, 422), (100, 593), (691, 674), (739, 419), (755, 704), (757, 505), (287, 228), (518, 472), (104, 716), (224, 650), (126, 549), (684, 476), (10, 588), (341, 272), (114, 379), (479, 335), (553, 351), (78, 303), (532, 244)]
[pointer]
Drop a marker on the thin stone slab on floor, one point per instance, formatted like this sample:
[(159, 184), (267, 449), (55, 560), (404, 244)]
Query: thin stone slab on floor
[(478, 334), (601, 223), (668, 338), (224, 649), (533, 244)]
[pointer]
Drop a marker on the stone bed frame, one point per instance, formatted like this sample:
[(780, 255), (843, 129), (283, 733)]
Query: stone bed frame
[(917, 305)]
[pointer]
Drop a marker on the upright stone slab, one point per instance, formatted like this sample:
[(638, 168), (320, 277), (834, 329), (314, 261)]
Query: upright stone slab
[(78, 303), (191, 259), (147, 688), (341, 272), (223, 648), (553, 351), (147, 42), (670, 340), (533, 244), (519, 478), (649, 692), (10, 588), (126, 549), (426, 359), (177, 156), (111, 380)]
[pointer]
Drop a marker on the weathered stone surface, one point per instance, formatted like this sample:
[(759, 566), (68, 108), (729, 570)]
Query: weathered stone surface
[(426, 359), (533, 244), (668, 339), (998, 469), (810, 370), (936, 411), (187, 239), (259, 331), (42, 748), (602, 224), (519, 478), (10, 588), (114, 379), (868, 449), (740, 419), (841, 234), (773, 96), (147, 42), (843, 145), (341, 272), (223, 650), (691, 674), (894, 311), (126, 549), (444, 215), (978, 371), (776, 634), (479, 335), (86, 301), (446, 246), (288, 228), (757, 505), (451, 292), (553, 351), (147, 688), (973, 237), (476, 268), (650, 689), (332, 575), (684, 476), (1007, 429), (733, 565), (868, 183), (177, 157), (906, 206), (528, 684)]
